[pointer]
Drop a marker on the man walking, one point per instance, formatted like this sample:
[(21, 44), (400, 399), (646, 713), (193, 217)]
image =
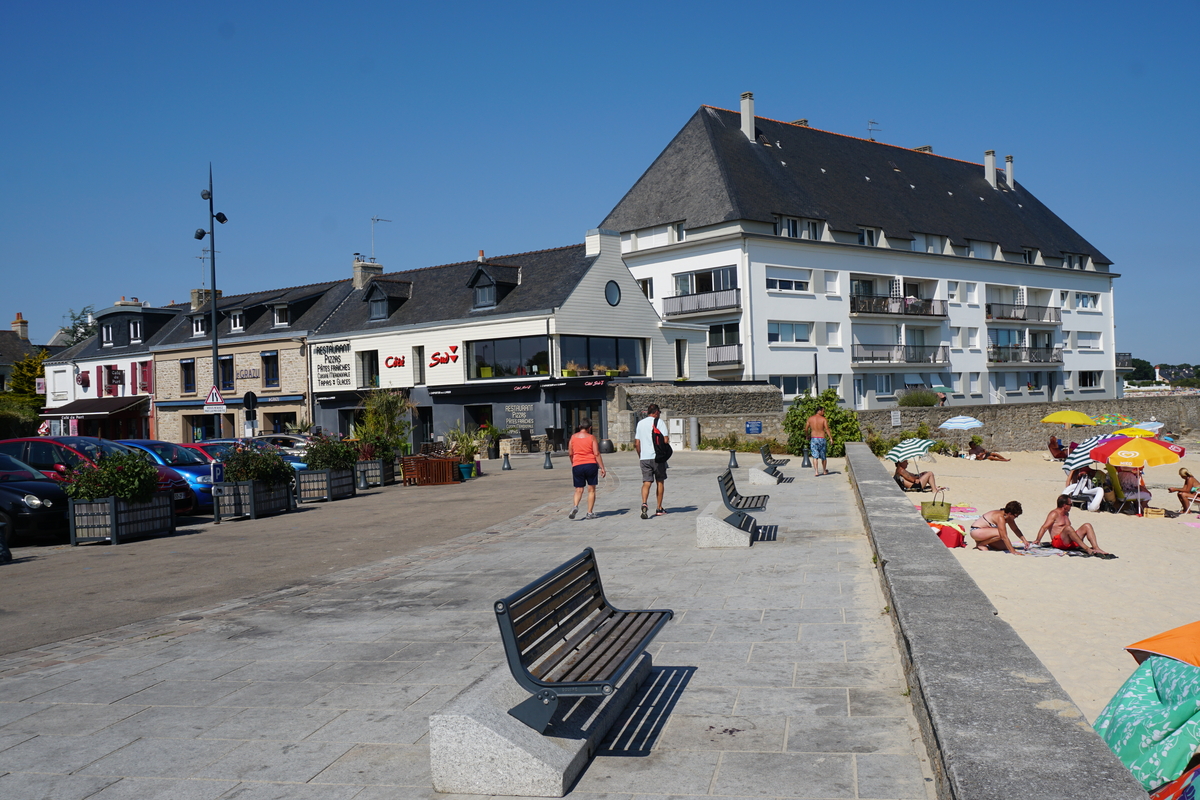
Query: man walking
[(817, 427), (652, 470)]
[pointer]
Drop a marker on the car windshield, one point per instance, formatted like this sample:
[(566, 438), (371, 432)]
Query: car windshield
[(218, 451), (13, 470), (176, 456), (96, 448)]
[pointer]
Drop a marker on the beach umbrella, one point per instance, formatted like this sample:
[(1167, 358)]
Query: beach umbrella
[(1182, 643), (1113, 419), (1150, 426), (1186, 785), (1126, 452), (961, 423), (1136, 433), (1069, 417), (1081, 456), (909, 448)]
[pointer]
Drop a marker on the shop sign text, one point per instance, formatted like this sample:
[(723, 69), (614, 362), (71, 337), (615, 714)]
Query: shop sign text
[(332, 365)]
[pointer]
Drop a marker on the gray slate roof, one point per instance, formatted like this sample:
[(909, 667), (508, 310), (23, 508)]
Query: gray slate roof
[(441, 293), (13, 348), (710, 173)]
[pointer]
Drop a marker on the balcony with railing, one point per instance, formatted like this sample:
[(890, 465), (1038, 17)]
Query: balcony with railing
[(899, 354), (1017, 354), (1125, 361), (702, 302), (903, 306), (725, 355), (1021, 313)]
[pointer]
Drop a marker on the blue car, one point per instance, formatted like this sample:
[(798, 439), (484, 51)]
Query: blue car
[(191, 465)]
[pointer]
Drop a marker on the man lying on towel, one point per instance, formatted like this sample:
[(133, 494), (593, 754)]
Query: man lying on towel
[(1064, 536)]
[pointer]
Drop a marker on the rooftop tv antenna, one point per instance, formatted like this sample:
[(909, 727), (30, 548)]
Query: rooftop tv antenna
[(872, 128), (203, 258), (373, 221)]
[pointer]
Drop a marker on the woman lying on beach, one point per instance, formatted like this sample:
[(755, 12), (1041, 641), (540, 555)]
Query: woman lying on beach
[(978, 452), (989, 530), (1185, 492), (908, 480)]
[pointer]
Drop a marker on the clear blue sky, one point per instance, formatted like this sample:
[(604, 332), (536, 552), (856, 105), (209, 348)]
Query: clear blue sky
[(518, 126)]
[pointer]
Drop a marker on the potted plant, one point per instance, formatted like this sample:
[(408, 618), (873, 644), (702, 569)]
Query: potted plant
[(464, 445), (623, 369), (383, 429), (115, 499), (570, 369), (257, 482), (330, 470), (485, 372), (489, 437)]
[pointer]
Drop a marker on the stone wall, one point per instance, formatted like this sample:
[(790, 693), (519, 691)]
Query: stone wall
[(715, 426), (1018, 426), (723, 408)]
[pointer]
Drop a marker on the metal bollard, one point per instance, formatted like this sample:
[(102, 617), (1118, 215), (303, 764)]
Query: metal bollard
[(547, 464), (733, 459), (806, 464), (506, 464), (362, 479)]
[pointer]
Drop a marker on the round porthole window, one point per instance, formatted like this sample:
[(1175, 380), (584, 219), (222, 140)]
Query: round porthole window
[(612, 293)]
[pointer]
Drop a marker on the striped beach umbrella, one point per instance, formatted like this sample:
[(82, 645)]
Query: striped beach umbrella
[(909, 448), (961, 423), (1082, 455)]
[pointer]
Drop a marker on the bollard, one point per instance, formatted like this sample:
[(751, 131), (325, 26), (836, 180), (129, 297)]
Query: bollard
[(506, 464), (733, 459), (806, 464), (362, 478), (547, 464)]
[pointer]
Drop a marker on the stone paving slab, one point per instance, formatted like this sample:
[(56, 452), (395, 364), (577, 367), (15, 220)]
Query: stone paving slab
[(778, 677)]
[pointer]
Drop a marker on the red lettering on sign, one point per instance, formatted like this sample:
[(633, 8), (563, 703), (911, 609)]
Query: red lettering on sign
[(394, 361)]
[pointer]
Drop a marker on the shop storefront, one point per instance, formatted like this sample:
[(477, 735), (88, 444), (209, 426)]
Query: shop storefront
[(276, 414), (106, 417)]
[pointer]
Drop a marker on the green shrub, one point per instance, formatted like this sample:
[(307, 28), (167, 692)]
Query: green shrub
[(734, 442), (880, 445), (326, 453), (257, 463), (917, 398), (843, 423), (126, 476), (384, 426)]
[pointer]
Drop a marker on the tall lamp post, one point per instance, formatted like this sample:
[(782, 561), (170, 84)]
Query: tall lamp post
[(207, 194)]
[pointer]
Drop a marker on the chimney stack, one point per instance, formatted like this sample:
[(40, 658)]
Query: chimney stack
[(1008, 172), (989, 167), (803, 123), (199, 298), (748, 115), (364, 271), (20, 326), (480, 259), (925, 148)]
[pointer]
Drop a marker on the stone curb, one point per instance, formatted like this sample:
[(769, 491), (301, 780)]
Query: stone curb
[(997, 725)]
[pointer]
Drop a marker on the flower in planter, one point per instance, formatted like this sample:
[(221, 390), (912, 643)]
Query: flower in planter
[(326, 453), (257, 462), (126, 476)]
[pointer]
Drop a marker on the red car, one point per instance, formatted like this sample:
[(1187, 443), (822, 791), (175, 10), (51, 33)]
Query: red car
[(53, 456)]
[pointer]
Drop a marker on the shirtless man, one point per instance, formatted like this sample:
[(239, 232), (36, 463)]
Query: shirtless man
[(1063, 535), (989, 530), (817, 427)]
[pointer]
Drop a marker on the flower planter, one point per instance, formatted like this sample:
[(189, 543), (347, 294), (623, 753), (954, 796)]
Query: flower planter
[(569, 373), (465, 471), (313, 485), (376, 472), (251, 499), (612, 373), (111, 519)]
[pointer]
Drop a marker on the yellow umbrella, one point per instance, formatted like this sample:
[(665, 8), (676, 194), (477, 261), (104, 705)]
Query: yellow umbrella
[(1141, 453), (1069, 417), (1135, 432)]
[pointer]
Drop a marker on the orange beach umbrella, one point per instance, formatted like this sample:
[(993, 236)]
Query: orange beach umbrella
[(1182, 644)]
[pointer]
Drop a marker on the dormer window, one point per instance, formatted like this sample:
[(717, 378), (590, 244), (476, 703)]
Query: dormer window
[(485, 296), (106, 335), (867, 237), (1029, 255), (282, 316), (237, 321), (1072, 261), (135, 331), (379, 308), (199, 325)]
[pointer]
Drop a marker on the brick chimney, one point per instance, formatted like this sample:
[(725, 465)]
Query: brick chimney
[(20, 326), (201, 296), (365, 270), (748, 115)]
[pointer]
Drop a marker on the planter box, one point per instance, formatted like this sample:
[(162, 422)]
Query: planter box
[(376, 472), (324, 484), (109, 519), (251, 499)]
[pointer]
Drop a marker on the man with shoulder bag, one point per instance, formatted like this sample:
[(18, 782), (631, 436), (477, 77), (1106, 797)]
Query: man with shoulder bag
[(653, 451)]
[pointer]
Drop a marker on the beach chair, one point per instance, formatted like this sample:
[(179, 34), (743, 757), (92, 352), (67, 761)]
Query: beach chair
[(1114, 481)]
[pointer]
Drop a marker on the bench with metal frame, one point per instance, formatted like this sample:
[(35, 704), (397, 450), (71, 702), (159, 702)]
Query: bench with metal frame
[(563, 638), (773, 464), (738, 504)]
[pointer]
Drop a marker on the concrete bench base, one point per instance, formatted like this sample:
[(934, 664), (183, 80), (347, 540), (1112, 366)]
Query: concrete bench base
[(757, 476), (712, 529), (475, 747)]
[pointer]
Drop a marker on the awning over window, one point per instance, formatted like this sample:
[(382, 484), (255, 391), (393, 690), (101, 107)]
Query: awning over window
[(96, 407), (912, 379)]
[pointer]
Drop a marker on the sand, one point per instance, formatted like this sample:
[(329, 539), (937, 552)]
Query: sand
[(1078, 614)]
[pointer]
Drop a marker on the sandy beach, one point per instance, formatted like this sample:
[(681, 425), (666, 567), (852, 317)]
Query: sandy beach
[(1077, 614)]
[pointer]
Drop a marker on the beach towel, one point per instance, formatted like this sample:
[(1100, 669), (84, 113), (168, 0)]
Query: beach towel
[(950, 535), (1152, 723)]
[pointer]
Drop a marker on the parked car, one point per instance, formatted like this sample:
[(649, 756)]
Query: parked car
[(193, 466), (54, 456), (292, 443), (29, 501), (214, 446)]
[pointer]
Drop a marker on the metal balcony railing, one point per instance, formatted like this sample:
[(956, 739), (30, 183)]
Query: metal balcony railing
[(724, 354), (1009, 311), (1124, 360), (899, 354), (704, 301), (905, 306), (1004, 354)]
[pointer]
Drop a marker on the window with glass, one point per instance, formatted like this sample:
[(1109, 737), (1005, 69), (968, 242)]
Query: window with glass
[(725, 333), (791, 385), (270, 368), (1006, 337), (1029, 256), (862, 287), (237, 321), (784, 332), (712, 280), (1089, 379), (368, 369), (225, 367), (1087, 300), (199, 325), (379, 308), (951, 290), (187, 375), (485, 296), (615, 353), (135, 330), (883, 384), (106, 335), (782, 279), (1033, 381), (866, 236), (282, 316), (647, 287), (517, 357)]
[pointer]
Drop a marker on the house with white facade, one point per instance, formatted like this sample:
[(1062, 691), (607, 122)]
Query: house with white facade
[(820, 260), (526, 341)]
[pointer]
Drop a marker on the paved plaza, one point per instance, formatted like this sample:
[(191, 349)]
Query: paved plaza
[(778, 677)]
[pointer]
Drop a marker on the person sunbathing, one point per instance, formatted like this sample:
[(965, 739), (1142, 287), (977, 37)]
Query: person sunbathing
[(1057, 451), (909, 480), (1081, 483), (1185, 492), (978, 453), (1064, 536), (1133, 485), (989, 530)]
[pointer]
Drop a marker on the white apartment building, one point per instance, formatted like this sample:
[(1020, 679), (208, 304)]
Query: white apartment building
[(821, 260)]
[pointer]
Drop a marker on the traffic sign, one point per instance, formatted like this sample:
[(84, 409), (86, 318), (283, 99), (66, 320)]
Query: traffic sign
[(221, 409), (218, 472), (214, 398), (250, 401)]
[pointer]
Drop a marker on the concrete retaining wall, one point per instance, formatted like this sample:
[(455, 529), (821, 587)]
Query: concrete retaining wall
[(995, 721)]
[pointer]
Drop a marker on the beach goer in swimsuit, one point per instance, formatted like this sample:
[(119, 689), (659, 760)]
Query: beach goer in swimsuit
[(1185, 492), (909, 480), (978, 452), (1063, 535), (817, 427), (989, 531)]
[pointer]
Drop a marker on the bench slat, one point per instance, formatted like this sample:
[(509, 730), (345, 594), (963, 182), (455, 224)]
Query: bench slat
[(569, 661), (524, 605), (547, 608), (556, 633), (554, 662), (606, 657)]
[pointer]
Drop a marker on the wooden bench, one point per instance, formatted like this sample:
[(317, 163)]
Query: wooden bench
[(563, 638), (773, 464), (740, 505)]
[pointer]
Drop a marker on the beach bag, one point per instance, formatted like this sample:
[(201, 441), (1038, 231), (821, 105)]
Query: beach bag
[(662, 448), (951, 537), (935, 510)]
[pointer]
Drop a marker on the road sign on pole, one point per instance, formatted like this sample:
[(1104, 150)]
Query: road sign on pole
[(214, 398)]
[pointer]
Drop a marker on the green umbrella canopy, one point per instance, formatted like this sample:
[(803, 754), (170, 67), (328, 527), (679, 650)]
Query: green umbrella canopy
[(909, 448)]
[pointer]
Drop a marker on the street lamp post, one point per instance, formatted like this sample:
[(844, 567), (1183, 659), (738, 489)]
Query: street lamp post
[(207, 194)]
